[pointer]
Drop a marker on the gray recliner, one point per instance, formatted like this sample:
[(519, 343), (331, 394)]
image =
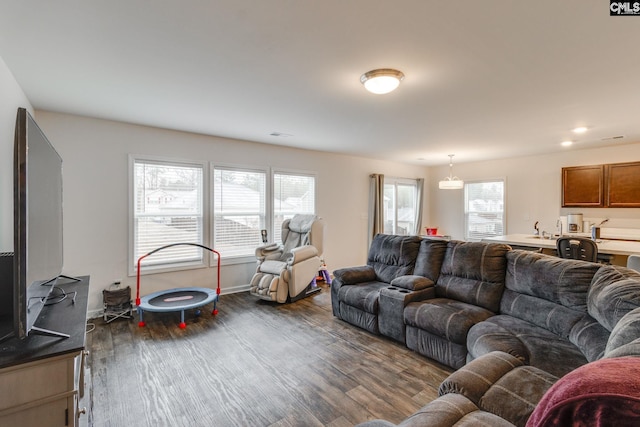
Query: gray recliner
[(287, 272)]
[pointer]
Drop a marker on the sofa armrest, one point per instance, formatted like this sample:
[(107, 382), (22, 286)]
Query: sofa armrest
[(355, 275), (501, 384), (412, 283)]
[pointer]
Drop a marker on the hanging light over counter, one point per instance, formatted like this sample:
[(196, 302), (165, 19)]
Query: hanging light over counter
[(451, 182)]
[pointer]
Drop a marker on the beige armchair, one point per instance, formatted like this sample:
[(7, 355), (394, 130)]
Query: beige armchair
[(287, 272)]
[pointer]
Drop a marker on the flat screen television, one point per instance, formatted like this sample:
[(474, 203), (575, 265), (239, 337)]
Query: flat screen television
[(37, 257)]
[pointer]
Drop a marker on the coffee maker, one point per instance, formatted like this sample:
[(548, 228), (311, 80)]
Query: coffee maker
[(574, 223)]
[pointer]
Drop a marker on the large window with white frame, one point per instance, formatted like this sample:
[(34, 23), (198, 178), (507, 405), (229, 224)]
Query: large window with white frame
[(239, 210), (167, 207), (400, 205), (293, 193), (484, 210)]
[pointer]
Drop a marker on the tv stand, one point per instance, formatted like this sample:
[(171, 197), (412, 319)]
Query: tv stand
[(41, 379)]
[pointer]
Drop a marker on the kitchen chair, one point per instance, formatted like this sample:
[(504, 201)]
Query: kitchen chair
[(633, 262), (577, 248)]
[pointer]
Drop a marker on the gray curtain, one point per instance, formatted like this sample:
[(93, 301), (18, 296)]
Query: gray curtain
[(376, 205), (419, 200)]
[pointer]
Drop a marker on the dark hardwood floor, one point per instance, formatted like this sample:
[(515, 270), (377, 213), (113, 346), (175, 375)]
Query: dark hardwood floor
[(254, 364)]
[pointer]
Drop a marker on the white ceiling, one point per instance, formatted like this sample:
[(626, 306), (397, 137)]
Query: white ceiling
[(484, 79)]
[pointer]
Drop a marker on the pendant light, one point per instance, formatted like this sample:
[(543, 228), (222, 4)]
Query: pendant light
[(451, 182)]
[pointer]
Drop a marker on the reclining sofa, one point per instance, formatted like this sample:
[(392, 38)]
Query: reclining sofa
[(511, 322)]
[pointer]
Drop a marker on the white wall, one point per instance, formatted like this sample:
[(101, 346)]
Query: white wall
[(95, 154), (534, 190), (11, 97)]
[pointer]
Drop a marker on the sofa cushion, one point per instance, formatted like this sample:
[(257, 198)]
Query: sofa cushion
[(561, 281), (532, 344), (446, 318), (625, 337), (615, 291), (430, 258), (453, 410), (549, 292), (500, 384), (473, 272), (392, 256), (363, 296), (590, 337)]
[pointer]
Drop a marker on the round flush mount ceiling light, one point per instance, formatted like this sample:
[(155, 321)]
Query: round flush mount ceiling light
[(580, 129), (382, 80), (566, 143)]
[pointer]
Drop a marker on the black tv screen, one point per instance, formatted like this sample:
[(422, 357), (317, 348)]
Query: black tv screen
[(38, 221)]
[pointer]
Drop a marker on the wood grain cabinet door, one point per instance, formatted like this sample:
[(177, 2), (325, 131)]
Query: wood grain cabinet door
[(583, 186), (623, 184)]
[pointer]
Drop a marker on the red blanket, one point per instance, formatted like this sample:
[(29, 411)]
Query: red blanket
[(598, 394)]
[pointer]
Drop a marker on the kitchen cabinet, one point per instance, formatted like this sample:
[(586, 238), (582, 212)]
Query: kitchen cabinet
[(583, 186), (623, 184), (614, 185)]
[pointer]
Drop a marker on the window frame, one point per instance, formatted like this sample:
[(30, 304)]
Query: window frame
[(237, 259), (175, 266), (466, 212)]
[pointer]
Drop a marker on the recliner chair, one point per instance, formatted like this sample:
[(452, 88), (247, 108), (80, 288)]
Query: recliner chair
[(287, 272)]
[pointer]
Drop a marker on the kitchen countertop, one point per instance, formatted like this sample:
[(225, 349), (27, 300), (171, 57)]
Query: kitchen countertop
[(605, 246)]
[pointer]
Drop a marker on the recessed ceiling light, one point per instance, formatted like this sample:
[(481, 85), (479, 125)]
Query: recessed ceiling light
[(382, 80), (580, 129), (566, 143), (280, 134)]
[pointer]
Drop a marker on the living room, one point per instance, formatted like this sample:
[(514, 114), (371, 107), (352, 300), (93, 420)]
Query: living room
[(96, 152)]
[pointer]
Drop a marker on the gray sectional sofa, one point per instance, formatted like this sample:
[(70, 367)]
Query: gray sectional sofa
[(511, 322)]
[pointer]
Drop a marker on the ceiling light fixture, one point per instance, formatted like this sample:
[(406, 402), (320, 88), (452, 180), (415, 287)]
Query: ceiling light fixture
[(451, 182), (580, 129), (566, 143), (382, 80)]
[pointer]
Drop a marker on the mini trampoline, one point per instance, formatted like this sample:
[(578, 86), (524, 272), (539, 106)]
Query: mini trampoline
[(177, 299)]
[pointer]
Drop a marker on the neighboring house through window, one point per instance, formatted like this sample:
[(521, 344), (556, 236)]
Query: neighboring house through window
[(239, 210), (167, 207), (400, 205), (293, 193), (484, 210)]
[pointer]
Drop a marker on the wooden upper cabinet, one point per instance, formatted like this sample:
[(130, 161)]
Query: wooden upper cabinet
[(583, 186), (614, 185), (623, 185)]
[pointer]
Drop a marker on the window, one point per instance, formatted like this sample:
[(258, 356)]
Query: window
[(484, 209), (293, 193), (400, 205), (167, 208), (239, 211)]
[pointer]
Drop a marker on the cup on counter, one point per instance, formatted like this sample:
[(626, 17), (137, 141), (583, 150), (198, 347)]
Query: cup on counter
[(595, 233)]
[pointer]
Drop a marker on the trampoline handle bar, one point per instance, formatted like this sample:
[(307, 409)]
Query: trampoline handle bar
[(168, 246)]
